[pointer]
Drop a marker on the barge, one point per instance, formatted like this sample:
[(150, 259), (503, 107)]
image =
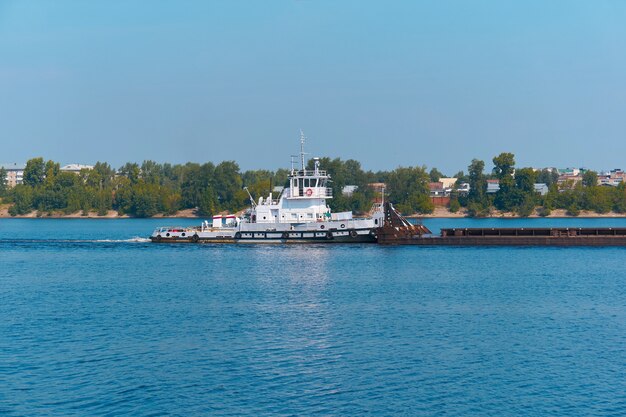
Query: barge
[(397, 230)]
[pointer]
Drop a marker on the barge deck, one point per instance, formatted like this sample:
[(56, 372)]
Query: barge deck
[(397, 230)]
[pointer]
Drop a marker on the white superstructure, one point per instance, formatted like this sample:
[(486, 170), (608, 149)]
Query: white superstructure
[(299, 213)]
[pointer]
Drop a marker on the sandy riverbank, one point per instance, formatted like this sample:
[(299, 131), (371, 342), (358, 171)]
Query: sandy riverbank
[(439, 212), (111, 214), (442, 212)]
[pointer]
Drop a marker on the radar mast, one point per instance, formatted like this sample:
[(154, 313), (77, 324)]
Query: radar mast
[(302, 139)]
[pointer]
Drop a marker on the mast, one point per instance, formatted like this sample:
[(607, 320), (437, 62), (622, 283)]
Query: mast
[(302, 138)]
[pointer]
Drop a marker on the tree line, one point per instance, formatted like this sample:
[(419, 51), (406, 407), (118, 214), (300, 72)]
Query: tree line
[(517, 193), (154, 188), (143, 190)]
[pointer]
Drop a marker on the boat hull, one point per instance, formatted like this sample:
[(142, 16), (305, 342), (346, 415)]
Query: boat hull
[(261, 239), (366, 235)]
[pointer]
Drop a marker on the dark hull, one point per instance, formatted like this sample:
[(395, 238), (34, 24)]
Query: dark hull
[(261, 240), (511, 241), (510, 237)]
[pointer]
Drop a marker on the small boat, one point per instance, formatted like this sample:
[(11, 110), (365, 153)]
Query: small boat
[(300, 214)]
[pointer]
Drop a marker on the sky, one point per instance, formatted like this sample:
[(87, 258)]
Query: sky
[(388, 83)]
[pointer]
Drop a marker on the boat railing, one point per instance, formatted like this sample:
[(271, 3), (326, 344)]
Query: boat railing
[(308, 173), (376, 208)]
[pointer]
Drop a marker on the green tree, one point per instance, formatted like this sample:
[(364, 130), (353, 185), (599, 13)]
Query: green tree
[(525, 179), (130, 171), (123, 196), (548, 176), (3, 182), (408, 189), (207, 202), (22, 198), (590, 178), (151, 172), (145, 200), (100, 177), (198, 188), (435, 175), (507, 197), (228, 183), (454, 205), (478, 185), (52, 169), (504, 165), (35, 172)]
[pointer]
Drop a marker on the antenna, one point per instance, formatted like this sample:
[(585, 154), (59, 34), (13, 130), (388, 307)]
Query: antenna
[(302, 138)]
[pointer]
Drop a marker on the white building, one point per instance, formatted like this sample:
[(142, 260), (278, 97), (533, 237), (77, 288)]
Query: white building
[(15, 173), (75, 168), (348, 190)]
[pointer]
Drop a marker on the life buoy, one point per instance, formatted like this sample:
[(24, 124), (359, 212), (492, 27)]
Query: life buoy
[(343, 226), (322, 227), (353, 233), (309, 192)]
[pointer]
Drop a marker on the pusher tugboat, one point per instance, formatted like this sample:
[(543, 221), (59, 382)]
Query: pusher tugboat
[(300, 214)]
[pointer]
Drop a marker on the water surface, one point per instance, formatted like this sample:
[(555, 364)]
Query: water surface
[(96, 321)]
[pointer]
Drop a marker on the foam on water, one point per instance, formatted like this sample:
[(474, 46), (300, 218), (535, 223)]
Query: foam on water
[(135, 239)]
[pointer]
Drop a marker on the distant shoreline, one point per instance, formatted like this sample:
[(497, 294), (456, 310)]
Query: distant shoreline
[(111, 214), (444, 213), (439, 213)]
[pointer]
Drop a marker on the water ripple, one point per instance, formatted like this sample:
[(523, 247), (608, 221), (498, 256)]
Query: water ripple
[(118, 327)]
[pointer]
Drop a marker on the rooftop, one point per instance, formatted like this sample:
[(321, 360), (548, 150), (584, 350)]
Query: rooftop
[(13, 166), (75, 167)]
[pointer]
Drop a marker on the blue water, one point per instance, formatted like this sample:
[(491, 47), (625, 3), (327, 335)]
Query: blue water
[(94, 322)]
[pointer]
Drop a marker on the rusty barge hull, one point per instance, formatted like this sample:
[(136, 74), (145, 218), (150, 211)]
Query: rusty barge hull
[(510, 237), (510, 241), (396, 230)]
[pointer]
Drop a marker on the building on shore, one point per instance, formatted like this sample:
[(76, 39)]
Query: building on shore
[(493, 186), (541, 188), (15, 173), (612, 178), (75, 168), (348, 190)]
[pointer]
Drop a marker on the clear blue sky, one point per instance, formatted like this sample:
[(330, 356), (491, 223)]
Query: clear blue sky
[(388, 83)]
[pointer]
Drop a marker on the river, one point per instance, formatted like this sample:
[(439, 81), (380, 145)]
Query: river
[(98, 321)]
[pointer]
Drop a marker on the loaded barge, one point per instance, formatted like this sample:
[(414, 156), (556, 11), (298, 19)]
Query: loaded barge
[(397, 230)]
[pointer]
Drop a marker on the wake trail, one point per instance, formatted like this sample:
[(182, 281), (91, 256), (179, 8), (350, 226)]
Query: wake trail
[(135, 239)]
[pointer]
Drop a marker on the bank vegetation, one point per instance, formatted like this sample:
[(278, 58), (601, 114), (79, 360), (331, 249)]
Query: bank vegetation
[(151, 188)]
